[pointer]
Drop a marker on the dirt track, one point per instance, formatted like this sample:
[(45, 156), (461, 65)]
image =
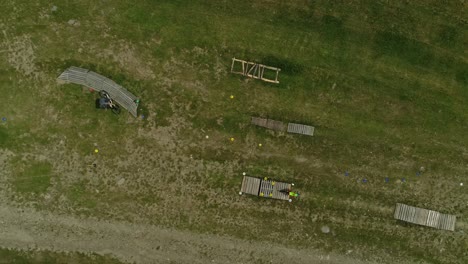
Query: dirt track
[(27, 229)]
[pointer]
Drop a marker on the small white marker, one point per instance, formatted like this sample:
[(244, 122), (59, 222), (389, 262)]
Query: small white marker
[(461, 183), (240, 193), (290, 200), (243, 173), (292, 184), (207, 137)]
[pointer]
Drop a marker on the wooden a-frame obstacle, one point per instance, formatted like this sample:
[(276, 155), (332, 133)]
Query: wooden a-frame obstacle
[(254, 70)]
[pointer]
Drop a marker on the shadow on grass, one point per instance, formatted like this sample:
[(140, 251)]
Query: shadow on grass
[(409, 50)]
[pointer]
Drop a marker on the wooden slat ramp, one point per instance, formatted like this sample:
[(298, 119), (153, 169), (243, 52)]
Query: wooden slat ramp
[(424, 217), (269, 123), (250, 185), (280, 126), (98, 82), (265, 188), (300, 129)]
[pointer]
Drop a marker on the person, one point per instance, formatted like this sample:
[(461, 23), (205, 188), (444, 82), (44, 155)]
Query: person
[(105, 102), (293, 194)]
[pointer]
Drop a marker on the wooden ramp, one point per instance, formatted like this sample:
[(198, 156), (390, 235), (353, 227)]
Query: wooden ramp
[(424, 217), (269, 123), (265, 188), (280, 126), (98, 82), (300, 129)]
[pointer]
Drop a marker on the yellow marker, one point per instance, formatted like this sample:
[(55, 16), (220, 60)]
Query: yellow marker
[(271, 195), (265, 178), (260, 144), (96, 150), (261, 194), (232, 139), (232, 96), (273, 183)]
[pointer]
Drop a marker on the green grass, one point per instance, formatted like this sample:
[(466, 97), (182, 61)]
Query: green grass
[(8, 256), (384, 84), (3, 136)]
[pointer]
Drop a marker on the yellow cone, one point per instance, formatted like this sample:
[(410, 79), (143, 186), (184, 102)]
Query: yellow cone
[(232, 96), (260, 145), (96, 150), (232, 139)]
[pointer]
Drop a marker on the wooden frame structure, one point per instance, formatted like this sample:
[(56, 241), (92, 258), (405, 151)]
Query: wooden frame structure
[(98, 82), (266, 188), (424, 217), (254, 70)]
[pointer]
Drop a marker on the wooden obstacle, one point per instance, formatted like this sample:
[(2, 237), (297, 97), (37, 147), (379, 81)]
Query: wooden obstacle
[(254, 70), (269, 123), (98, 82), (266, 188), (280, 126), (301, 129), (424, 217)]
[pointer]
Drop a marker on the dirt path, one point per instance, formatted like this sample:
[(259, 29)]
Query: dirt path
[(26, 229)]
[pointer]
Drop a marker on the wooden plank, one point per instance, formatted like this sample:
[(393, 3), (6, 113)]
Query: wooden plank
[(266, 189), (280, 188), (259, 121), (433, 219), (232, 65), (250, 185), (276, 125), (268, 123), (447, 222), (424, 217), (300, 129)]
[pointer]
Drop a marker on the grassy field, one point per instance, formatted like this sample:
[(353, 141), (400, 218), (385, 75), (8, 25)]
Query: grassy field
[(384, 83), (20, 257)]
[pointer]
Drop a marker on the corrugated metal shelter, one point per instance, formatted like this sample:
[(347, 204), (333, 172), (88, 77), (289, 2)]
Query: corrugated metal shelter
[(265, 188), (98, 82), (424, 217)]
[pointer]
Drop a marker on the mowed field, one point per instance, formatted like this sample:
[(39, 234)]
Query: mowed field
[(384, 83)]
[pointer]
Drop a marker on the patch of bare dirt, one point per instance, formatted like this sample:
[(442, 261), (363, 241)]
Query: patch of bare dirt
[(28, 229), (20, 53), (129, 58)]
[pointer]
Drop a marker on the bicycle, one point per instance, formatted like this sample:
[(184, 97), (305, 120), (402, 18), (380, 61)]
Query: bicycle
[(106, 102)]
